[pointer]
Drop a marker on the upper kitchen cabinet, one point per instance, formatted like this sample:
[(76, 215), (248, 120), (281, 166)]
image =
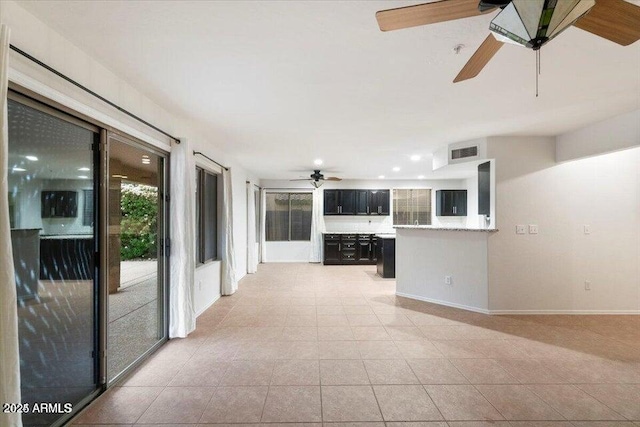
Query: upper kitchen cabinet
[(356, 202), (339, 202), (362, 202), (59, 204), (451, 203), (379, 202)]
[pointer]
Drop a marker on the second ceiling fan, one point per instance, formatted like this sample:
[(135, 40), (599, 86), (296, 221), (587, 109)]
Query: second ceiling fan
[(529, 23)]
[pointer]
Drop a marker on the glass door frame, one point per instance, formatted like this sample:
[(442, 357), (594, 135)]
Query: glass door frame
[(15, 94), (101, 178), (163, 251)]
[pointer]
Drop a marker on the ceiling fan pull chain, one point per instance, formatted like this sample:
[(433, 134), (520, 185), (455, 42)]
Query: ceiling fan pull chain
[(537, 70)]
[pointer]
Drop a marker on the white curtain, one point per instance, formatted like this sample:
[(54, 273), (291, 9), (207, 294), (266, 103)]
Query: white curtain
[(9, 355), (182, 313), (263, 220), (229, 282), (317, 227), (252, 259)]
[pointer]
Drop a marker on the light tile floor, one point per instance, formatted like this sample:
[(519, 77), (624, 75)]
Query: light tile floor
[(302, 343)]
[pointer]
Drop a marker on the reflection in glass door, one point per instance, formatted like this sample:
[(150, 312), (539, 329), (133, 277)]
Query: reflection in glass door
[(53, 236), (136, 218)]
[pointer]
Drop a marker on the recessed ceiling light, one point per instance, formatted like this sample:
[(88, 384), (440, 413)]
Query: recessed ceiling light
[(380, 176), (84, 169), (420, 176), (396, 169), (18, 170), (83, 177), (415, 157), (317, 162), (32, 158), (146, 161)]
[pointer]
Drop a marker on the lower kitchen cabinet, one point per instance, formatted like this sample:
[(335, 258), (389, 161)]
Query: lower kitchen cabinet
[(386, 257), (345, 249)]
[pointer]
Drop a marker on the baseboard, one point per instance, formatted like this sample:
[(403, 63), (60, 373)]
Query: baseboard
[(445, 303), (521, 312), (567, 312), (205, 308)]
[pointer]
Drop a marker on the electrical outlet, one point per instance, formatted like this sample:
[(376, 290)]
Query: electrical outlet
[(447, 280), (587, 285), (533, 228), (587, 229), (520, 229)]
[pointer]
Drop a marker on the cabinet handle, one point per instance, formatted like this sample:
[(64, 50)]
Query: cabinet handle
[(339, 246), (455, 209), (379, 209), (367, 209)]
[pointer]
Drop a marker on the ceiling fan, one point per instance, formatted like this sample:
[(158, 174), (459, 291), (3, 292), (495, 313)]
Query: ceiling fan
[(529, 23), (317, 179)]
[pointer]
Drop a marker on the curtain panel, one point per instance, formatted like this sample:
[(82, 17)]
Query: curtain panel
[(317, 227), (229, 280), (252, 256), (182, 313), (9, 350)]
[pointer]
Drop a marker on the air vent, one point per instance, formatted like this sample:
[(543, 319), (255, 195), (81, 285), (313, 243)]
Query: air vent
[(461, 153)]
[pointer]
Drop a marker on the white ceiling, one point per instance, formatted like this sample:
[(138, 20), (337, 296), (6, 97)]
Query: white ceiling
[(280, 83)]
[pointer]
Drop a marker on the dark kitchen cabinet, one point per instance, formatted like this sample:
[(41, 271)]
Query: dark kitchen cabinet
[(451, 203), (66, 258), (59, 204), (357, 202), (347, 202), (339, 202), (362, 202), (484, 188), (386, 257), (379, 202), (332, 251), (331, 204), (344, 249)]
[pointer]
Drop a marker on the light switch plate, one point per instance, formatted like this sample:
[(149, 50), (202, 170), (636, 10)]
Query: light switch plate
[(587, 229), (533, 228), (521, 229)]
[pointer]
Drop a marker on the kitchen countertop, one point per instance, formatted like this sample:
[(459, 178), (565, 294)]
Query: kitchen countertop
[(386, 235), (431, 227), (353, 232), (65, 236)]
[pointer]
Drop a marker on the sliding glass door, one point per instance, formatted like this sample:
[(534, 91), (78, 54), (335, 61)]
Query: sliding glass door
[(53, 211), (136, 236), (87, 209)]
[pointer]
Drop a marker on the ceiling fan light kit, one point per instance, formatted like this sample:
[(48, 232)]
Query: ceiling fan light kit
[(533, 23), (528, 23)]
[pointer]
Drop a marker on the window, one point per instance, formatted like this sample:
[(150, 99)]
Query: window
[(288, 217), (412, 206), (207, 216)]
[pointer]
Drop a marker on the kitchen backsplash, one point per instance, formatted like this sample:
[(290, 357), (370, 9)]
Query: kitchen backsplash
[(365, 224)]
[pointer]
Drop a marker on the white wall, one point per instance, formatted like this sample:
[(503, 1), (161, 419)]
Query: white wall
[(545, 272), (617, 133), (36, 38), (425, 257)]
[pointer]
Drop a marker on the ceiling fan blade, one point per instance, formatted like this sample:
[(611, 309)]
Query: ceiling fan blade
[(479, 59), (429, 13), (615, 20), (301, 179), (333, 178)]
